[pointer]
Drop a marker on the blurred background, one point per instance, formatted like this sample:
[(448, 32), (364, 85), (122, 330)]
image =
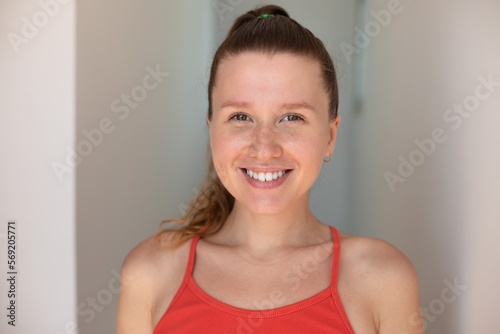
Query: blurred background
[(103, 135)]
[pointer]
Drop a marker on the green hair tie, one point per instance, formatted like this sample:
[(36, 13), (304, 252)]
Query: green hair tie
[(265, 16)]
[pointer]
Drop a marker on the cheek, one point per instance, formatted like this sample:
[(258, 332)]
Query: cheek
[(217, 147), (225, 150), (308, 146)]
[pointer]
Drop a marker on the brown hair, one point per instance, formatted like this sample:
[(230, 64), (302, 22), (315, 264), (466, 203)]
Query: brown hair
[(274, 33)]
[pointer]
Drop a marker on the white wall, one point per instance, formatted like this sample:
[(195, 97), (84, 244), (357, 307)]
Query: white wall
[(37, 116), (477, 26), (445, 215)]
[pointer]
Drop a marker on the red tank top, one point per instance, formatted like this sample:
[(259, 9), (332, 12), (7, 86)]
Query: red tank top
[(194, 311)]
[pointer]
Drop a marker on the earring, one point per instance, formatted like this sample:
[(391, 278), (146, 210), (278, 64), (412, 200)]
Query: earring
[(328, 158)]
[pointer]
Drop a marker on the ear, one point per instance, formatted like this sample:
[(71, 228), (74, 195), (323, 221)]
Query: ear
[(332, 136)]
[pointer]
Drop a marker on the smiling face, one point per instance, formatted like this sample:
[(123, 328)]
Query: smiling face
[(270, 129)]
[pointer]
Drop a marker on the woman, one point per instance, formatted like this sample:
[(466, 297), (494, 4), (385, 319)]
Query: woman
[(251, 257)]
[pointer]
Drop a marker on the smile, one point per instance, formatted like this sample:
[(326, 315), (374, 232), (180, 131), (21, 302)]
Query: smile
[(266, 177)]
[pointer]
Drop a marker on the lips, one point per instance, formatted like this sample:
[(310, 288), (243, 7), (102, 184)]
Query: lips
[(268, 179), (265, 176)]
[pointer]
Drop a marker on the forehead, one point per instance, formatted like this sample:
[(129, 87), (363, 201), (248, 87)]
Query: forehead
[(255, 76)]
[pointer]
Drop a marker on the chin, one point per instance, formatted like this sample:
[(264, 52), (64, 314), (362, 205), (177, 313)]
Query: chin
[(265, 206)]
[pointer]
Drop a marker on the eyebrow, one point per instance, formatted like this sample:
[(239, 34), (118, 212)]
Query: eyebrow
[(287, 106), (297, 105), (235, 104)]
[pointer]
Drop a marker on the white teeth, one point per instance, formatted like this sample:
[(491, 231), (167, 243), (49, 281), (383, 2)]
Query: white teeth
[(265, 177)]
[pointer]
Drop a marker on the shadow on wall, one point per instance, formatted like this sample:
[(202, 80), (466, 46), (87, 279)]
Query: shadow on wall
[(141, 134)]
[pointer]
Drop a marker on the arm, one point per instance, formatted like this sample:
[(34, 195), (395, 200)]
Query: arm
[(397, 308), (135, 304)]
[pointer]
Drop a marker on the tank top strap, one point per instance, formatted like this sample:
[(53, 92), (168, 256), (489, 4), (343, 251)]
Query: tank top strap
[(334, 279), (192, 255), (187, 273), (335, 257)]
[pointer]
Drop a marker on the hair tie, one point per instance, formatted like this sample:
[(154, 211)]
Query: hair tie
[(265, 16)]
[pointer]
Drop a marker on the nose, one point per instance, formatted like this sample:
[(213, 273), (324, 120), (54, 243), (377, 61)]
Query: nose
[(265, 143)]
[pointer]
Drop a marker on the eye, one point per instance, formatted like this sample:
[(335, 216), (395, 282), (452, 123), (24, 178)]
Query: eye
[(293, 118), (239, 117)]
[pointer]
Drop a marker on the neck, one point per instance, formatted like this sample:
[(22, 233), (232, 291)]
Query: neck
[(263, 236)]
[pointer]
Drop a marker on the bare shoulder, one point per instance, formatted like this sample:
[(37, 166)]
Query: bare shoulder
[(149, 255), (386, 281), (378, 257), (150, 274)]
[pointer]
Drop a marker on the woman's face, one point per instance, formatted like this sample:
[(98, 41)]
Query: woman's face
[(270, 129)]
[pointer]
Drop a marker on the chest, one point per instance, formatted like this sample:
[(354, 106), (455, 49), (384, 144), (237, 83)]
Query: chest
[(254, 286)]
